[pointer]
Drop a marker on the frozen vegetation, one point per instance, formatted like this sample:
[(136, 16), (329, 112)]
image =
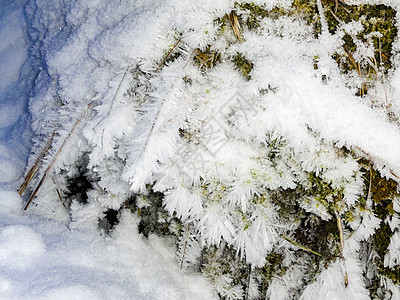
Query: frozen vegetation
[(200, 149)]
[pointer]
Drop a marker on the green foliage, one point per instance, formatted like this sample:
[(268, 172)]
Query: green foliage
[(383, 192), (206, 59), (375, 19), (224, 268), (243, 65), (378, 22), (273, 267), (153, 217)]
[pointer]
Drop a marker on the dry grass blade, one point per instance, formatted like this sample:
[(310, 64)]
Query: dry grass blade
[(57, 154), (300, 245), (236, 26), (339, 225), (168, 55), (358, 68), (32, 172), (334, 14), (35, 191), (59, 197), (185, 247)]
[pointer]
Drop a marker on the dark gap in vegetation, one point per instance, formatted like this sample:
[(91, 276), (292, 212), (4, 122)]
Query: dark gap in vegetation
[(109, 221), (81, 183)]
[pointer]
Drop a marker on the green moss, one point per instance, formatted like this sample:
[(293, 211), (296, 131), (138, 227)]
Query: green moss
[(243, 65), (383, 192), (379, 19), (153, 217), (223, 260), (381, 187), (273, 267), (254, 13), (320, 236), (307, 10), (287, 201), (323, 192), (374, 18), (207, 59), (381, 240)]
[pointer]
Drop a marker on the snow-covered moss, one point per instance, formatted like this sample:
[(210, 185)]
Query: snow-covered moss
[(238, 129)]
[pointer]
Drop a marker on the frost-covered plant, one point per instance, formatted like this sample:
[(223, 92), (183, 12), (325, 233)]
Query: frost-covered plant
[(236, 128)]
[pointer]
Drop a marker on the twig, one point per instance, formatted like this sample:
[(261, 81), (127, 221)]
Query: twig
[(358, 69), (168, 55), (300, 245), (334, 15), (57, 154)]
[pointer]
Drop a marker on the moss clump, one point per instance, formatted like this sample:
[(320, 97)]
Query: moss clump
[(206, 59), (153, 217), (383, 192), (254, 13), (316, 234), (381, 240), (273, 267), (305, 9), (223, 260), (243, 65), (383, 189), (378, 22), (375, 19)]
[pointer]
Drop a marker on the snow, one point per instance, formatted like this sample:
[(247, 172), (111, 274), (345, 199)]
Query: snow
[(42, 259), (13, 100), (58, 58)]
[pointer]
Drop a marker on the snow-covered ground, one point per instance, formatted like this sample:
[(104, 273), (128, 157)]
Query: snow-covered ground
[(14, 62), (43, 259)]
